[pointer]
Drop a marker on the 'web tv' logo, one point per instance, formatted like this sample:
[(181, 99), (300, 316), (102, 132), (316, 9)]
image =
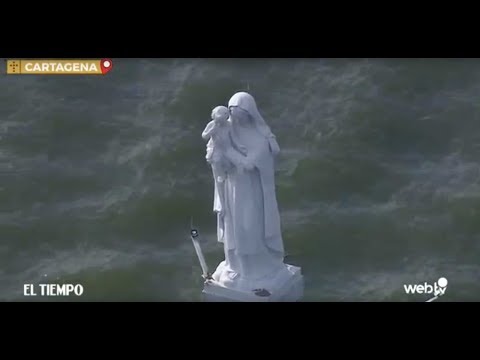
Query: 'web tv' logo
[(437, 289)]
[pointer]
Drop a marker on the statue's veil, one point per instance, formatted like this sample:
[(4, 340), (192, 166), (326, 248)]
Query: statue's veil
[(246, 102)]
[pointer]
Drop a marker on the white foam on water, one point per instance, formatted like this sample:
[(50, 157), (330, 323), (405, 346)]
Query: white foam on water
[(448, 178)]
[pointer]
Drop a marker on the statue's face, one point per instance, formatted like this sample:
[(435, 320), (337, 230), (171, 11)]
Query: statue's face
[(220, 115), (239, 114)]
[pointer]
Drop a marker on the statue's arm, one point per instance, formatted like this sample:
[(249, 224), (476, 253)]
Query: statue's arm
[(235, 157), (208, 132)]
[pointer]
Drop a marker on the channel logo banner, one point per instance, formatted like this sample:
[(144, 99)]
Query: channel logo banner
[(59, 67)]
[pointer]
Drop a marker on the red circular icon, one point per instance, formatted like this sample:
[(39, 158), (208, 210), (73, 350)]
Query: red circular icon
[(106, 65)]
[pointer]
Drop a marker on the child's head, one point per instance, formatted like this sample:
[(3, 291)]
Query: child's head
[(220, 113)]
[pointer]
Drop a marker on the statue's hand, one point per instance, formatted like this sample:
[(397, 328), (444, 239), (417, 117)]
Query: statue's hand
[(240, 168), (248, 164), (243, 149)]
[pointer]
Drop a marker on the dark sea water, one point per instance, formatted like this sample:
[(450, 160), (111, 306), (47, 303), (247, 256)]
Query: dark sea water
[(378, 181)]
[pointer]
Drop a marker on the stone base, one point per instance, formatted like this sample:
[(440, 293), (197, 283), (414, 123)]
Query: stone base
[(289, 290)]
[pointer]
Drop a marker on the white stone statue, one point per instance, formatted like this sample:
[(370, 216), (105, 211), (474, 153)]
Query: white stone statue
[(242, 151)]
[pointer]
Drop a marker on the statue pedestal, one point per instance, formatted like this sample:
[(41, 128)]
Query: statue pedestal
[(288, 290)]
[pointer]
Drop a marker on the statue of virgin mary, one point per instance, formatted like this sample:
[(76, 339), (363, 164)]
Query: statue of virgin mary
[(248, 218)]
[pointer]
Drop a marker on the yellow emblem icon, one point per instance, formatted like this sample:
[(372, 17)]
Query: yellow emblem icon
[(13, 66)]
